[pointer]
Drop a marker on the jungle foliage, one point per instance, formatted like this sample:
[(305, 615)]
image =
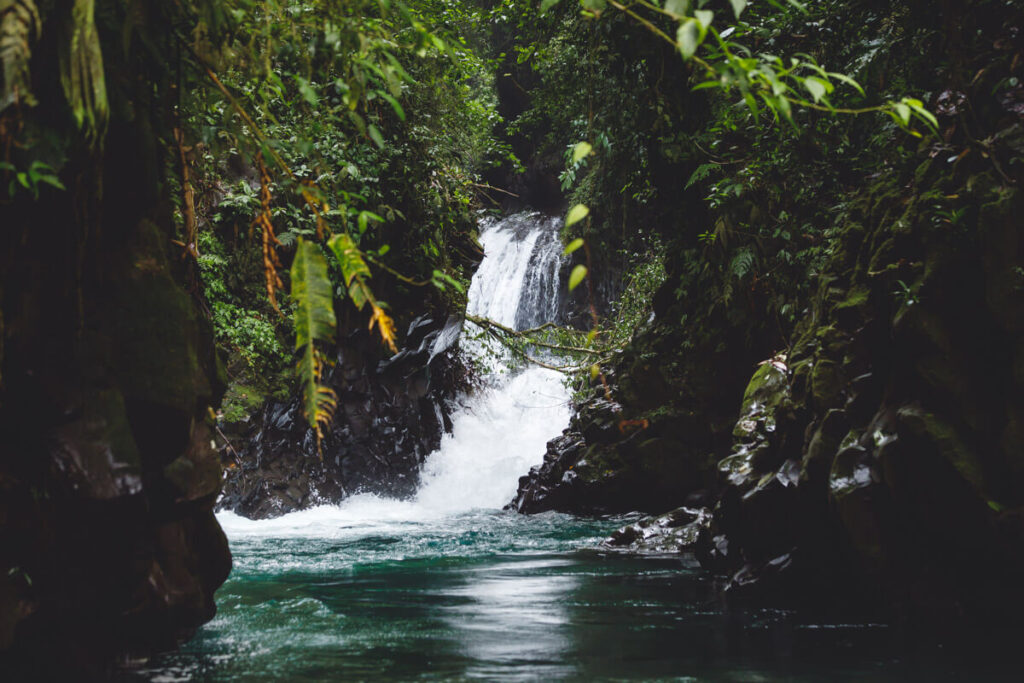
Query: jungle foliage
[(292, 122), (717, 137)]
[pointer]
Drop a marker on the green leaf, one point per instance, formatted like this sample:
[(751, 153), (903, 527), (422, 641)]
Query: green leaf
[(678, 8), (311, 291), (573, 246), (738, 6), (702, 172), (364, 218), (688, 37), (440, 277), (19, 27), (349, 257), (817, 87), (922, 113), (595, 5), (52, 180), (581, 151), (307, 91), (576, 214), (704, 17), (375, 135), (394, 104), (843, 78), (547, 4), (903, 112), (577, 276)]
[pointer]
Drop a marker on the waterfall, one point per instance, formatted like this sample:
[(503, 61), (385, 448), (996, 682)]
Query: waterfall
[(500, 431), (503, 430), (517, 284)]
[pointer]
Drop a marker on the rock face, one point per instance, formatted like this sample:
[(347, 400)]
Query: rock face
[(888, 442), (108, 543), (880, 458), (605, 463), (880, 461), (391, 415), (683, 530)]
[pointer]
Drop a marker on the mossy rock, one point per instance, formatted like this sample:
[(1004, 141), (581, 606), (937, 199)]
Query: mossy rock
[(241, 402), (823, 446), (664, 461), (767, 389), (857, 297), (947, 443), (97, 456), (827, 384), (157, 332)]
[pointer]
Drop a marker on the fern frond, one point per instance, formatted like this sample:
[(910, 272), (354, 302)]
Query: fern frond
[(81, 71), (19, 26), (314, 322), (742, 263)]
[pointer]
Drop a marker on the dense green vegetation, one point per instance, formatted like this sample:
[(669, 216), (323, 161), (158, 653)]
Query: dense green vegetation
[(379, 123), (829, 188)]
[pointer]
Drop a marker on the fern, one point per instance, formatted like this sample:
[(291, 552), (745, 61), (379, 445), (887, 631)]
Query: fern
[(19, 26), (81, 71), (702, 172), (742, 263), (314, 322)]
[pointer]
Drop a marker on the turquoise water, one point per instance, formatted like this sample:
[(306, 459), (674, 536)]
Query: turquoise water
[(447, 587), (336, 594)]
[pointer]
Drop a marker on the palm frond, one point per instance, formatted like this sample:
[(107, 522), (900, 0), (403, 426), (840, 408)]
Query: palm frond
[(314, 322), (19, 27), (81, 71)]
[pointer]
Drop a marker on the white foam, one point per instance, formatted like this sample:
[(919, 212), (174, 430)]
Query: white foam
[(499, 433)]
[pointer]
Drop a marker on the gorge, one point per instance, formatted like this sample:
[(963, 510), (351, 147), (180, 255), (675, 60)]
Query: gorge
[(511, 340)]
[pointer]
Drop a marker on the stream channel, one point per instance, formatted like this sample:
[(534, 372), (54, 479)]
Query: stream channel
[(447, 586)]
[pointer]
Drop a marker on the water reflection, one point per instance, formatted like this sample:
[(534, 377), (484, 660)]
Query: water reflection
[(513, 620)]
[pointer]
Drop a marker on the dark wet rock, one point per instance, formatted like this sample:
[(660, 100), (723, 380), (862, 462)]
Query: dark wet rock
[(886, 456), (682, 530), (392, 412), (604, 463), (108, 542), (881, 459)]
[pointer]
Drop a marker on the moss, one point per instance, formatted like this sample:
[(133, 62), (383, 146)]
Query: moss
[(857, 297), (883, 257), (827, 384), (157, 331), (766, 390), (945, 440), (240, 402)]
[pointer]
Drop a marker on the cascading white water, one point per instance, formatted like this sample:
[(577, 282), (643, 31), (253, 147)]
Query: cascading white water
[(501, 431)]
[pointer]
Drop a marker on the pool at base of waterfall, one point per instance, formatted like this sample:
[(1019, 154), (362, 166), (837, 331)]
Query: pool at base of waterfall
[(361, 592), (445, 586)]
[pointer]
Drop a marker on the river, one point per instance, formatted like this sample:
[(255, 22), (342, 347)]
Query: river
[(447, 586)]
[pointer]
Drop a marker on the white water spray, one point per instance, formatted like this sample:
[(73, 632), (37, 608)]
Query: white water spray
[(501, 431)]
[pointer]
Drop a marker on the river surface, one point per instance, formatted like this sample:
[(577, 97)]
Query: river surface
[(447, 586), (360, 593)]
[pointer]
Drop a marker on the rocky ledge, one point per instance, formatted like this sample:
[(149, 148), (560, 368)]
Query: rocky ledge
[(391, 414), (681, 531), (108, 542)]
